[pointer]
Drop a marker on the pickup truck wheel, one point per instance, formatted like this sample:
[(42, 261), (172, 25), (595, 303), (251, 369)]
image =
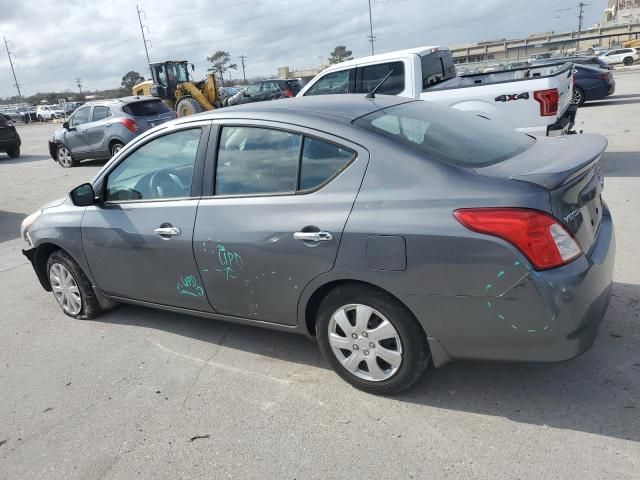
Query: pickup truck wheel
[(371, 340), (578, 96), (628, 61), (13, 152), (65, 159), (71, 287)]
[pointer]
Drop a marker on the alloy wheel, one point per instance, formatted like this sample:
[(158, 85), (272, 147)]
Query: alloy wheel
[(365, 342), (65, 289), (577, 97), (64, 157), (116, 148)]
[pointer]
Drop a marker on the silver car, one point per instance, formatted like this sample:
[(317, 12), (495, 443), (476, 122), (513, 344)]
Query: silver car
[(98, 130), (395, 232)]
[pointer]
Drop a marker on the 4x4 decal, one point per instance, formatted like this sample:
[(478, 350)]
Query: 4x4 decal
[(512, 96)]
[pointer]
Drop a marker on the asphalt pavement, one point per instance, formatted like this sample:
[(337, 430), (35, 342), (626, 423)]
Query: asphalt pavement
[(141, 393)]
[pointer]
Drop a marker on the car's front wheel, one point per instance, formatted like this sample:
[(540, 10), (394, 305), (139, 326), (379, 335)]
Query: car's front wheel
[(628, 61), (71, 287), (371, 340), (65, 159)]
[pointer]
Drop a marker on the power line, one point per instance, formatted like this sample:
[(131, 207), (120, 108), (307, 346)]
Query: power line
[(144, 39), (6, 45), (242, 59)]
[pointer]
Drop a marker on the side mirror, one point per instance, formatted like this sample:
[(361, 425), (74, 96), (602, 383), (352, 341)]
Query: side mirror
[(65, 125), (83, 195)]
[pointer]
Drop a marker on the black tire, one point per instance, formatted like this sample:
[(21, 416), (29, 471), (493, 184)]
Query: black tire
[(13, 152), (65, 160), (188, 106), (628, 61), (90, 307), (116, 147), (578, 96), (414, 347), (40, 118)]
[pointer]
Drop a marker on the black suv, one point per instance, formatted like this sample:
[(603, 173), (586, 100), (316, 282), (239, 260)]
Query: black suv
[(266, 90), (9, 139)]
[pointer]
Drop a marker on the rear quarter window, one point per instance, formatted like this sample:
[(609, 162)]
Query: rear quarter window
[(370, 76), (447, 135), (148, 107)]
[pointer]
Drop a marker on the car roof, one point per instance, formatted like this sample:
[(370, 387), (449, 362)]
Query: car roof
[(388, 56), (347, 107)]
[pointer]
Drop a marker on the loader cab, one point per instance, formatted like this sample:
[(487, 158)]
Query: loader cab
[(167, 76)]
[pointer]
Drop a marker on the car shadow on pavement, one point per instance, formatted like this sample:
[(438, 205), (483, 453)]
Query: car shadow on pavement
[(598, 392), (621, 164), (10, 225), (5, 160)]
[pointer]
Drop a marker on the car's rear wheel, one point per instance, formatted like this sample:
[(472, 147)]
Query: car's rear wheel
[(371, 340), (115, 148), (578, 96), (13, 152), (71, 287), (65, 159)]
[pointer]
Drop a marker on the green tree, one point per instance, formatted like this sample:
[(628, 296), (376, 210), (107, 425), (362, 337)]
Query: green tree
[(130, 79), (220, 63), (340, 54)]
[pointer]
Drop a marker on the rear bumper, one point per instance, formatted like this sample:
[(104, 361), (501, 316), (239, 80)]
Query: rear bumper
[(546, 316), (564, 124), (8, 143)]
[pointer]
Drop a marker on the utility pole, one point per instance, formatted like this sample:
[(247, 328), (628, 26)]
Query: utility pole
[(9, 53), (371, 37), (321, 61), (242, 59), (581, 6), (79, 83), (144, 39)]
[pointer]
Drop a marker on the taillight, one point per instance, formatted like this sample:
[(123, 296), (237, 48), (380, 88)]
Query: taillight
[(539, 236), (603, 76), (288, 93), (548, 100), (129, 124)]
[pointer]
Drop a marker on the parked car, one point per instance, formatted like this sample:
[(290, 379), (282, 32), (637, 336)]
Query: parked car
[(591, 61), (535, 100), (100, 129), (600, 51), (591, 83), (49, 112), (265, 90), (626, 56), (227, 92), (9, 139), (393, 231)]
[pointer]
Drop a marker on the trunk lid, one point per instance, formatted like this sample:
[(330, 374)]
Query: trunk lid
[(568, 169)]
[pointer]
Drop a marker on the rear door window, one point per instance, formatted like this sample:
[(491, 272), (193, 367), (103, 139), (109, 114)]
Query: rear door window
[(331, 83), (370, 76), (100, 113), (321, 161), (148, 107), (256, 160)]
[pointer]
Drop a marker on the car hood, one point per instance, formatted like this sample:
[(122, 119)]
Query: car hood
[(54, 203)]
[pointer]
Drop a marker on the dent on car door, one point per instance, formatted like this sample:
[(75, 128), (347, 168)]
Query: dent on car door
[(138, 242), (75, 138), (274, 220)]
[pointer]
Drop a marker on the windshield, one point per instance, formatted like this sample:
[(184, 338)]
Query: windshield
[(447, 135)]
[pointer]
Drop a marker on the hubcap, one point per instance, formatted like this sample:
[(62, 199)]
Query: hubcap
[(65, 289), (365, 342), (116, 149), (64, 156)]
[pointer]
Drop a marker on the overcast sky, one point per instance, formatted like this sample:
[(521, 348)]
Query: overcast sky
[(56, 41)]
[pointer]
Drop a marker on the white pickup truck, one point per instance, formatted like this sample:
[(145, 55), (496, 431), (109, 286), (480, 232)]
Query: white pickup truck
[(535, 100)]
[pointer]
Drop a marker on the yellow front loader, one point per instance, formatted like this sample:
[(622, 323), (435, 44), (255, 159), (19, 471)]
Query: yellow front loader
[(171, 82)]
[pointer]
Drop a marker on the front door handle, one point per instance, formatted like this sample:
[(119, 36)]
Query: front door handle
[(313, 236), (167, 232)]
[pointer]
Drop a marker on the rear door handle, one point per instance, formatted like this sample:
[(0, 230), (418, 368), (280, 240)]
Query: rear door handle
[(313, 236), (165, 232)]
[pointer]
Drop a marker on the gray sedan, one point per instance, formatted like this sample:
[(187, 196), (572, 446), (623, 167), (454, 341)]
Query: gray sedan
[(397, 233), (99, 129)]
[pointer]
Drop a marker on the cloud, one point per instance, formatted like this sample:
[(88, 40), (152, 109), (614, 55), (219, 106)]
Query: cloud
[(55, 42)]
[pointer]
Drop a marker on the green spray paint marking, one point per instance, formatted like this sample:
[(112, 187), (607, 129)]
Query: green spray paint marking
[(531, 331), (546, 328), (516, 263), (489, 304), (514, 327), (230, 262), (189, 286), (500, 274), (488, 286), (500, 317)]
